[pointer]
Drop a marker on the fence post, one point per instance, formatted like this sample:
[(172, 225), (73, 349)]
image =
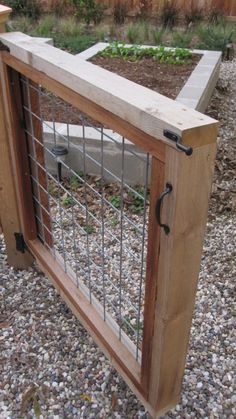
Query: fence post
[(9, 212), (174, 282)]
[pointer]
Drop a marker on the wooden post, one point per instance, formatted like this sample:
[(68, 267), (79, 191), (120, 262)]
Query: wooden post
[(4, 13), (9, 213), (175, 277)]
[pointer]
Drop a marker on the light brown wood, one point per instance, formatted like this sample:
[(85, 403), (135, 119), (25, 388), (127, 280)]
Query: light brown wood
[(141, 107), (144, 141), (9, 212), (179, 262), (156, 188)]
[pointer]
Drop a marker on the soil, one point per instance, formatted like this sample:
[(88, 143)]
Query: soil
[(166, 79)]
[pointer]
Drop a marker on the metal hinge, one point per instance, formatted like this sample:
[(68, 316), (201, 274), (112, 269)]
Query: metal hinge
[(175, 137), (20, 242)]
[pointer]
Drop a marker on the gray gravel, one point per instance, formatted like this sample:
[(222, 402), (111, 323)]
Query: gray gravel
[(51, 367)]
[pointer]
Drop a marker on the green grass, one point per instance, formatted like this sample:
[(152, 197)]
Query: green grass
[(215, 37), (181, 39)]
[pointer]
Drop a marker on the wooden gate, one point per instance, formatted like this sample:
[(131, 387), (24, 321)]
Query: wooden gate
[(141, 319)]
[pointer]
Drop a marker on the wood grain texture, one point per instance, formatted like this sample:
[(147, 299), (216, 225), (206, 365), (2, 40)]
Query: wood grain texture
[(9, 210), (153, 251), (139, 106), (36, 147), (179, 265)]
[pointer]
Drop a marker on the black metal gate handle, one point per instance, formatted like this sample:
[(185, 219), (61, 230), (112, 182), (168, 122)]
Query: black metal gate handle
[(158, 207)]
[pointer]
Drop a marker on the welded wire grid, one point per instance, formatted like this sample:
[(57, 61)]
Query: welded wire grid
[(91, 219)]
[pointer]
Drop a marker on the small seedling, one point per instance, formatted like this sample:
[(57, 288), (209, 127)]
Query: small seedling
[(75, 180), (115, 201), (89, 229), (68, 201), (114, 221)]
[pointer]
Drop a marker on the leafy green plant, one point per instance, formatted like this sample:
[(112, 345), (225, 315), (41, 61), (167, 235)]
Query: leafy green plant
[(120, 11), (68, 201), (75, 180), (169, 13), (161, 54), (89, 10), (181, 39), (115, 201), (46, 25)]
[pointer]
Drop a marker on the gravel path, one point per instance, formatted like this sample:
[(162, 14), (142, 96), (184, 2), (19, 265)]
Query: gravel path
[(51, 367)]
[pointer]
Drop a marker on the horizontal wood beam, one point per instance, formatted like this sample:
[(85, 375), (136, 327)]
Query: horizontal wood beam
[(139, 106)]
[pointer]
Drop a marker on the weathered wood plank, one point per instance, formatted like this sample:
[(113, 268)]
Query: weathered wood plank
[(141, 107)]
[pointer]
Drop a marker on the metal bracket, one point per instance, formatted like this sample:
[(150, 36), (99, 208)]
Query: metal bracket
[(20, 242), (175, 137), (4, 47)]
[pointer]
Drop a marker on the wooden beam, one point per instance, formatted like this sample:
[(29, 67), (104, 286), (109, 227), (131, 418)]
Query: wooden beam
[(137, 136), (185, 211), (139, 106), (4, 15)]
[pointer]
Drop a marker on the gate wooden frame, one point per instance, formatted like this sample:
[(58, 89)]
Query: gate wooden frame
[(173, 260)]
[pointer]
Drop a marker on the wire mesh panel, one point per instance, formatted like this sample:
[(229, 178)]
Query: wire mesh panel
[(91, 197)]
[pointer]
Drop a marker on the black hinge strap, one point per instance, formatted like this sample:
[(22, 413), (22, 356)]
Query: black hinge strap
[(20, 242), (175, 137)]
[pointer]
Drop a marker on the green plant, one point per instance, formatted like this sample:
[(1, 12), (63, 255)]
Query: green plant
[(69, 27), (120, 11), (158, 35), (89, 228), (215, 16), (74, 44), (115, 201), (114, 221), (181, 39), (31, 8), (169, 13), (68, 201), (45, 26), (214, 37), (75, 181), (133, 34), (161, 54), (89, 10)]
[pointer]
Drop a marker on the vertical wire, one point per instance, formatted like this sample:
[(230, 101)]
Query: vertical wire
[(142, 256), (121, 237), (102, 227), (35, 156), (87, 215), (46, 172), (74, 242)]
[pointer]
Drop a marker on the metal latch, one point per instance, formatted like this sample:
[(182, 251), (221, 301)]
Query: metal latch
[(20, 242), (175, 137)]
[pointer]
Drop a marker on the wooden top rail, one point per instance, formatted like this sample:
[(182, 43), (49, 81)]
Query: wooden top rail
[(143, 108), (4, 14)]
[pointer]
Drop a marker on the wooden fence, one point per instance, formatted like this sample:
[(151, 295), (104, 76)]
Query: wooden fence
[(181, 143)]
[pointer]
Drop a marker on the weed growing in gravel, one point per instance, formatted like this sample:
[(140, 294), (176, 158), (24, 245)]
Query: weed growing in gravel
[(89, 228)]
